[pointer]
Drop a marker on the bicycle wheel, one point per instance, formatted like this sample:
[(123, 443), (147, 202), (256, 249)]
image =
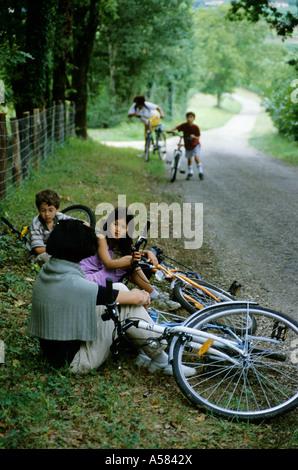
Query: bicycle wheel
[(147, 146), (176, 157), (161, 146), (80, 212), (260, 383), (193, 298)]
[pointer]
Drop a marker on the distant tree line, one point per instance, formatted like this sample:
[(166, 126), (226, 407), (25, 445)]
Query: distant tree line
[(101, 52)]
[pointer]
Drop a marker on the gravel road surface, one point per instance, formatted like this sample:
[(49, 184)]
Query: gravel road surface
[(250, 212)]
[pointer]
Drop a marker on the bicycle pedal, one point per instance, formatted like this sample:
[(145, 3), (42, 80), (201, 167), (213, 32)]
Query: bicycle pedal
[(234, 287)]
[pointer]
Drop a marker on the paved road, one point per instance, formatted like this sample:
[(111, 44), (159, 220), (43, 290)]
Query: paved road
[(250, 211)]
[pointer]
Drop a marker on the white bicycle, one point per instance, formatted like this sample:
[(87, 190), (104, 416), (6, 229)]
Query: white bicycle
[(240, 372), (176, 158)]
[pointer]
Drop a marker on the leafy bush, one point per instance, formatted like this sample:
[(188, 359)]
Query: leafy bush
[(281, 106)]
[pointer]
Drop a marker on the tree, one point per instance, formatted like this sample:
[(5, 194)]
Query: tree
[(27, 26), (219, 64), (61, 49), (284, 24), (87, 16), (138, 45)]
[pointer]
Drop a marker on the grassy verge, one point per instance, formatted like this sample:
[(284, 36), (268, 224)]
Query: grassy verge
[(111, 408), (267, 140), (265, 137)]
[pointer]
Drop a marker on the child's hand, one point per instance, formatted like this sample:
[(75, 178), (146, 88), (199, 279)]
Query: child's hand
[(136, 256), (151, 258)]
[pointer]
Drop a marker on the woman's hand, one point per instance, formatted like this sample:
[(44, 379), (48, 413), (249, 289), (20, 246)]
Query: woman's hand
[(134, 297)]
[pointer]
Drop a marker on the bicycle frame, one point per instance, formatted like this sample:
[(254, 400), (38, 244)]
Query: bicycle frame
[(196, 339), (199, 340), (150, 140)]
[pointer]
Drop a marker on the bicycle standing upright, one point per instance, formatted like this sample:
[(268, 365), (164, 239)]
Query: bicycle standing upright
[(176, 158), (159, 145)]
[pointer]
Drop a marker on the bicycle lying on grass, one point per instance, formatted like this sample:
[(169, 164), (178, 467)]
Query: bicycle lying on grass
[(159, 145), (186, 286), (240, 371)]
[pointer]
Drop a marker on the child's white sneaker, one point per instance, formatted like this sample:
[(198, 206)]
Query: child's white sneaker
[(166, 368), (142, 360)]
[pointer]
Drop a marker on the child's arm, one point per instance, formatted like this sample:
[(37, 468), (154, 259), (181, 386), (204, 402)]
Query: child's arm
[(124, 262), (160, 111), (39, 250), (150, 257), (172, 130)]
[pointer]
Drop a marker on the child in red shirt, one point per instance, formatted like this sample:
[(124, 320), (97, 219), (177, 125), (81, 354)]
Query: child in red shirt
[(191, 134)]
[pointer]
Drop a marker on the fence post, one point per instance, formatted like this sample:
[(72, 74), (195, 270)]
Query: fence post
[(59, 122), (44, 133), (71, 118), (53, 126), (24, 125), (3, 154), (35, 138), (16, 157)]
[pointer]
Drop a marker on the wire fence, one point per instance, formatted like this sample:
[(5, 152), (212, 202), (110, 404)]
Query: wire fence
[(25, 142)]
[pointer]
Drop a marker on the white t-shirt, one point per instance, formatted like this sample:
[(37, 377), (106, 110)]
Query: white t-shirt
[(148, 110)]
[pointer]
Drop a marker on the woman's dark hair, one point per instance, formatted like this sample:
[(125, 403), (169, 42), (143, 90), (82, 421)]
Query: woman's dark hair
[(72, 240), (123, 244)]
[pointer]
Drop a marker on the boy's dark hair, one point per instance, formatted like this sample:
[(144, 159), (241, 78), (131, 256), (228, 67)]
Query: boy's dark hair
[(72, 240), (139, 99), (123, 244), (49, 197), (190, 113)]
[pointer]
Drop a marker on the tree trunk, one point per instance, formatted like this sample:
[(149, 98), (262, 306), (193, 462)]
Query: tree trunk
[(85, 21), (218, 99), (29, 80), (62, 39)]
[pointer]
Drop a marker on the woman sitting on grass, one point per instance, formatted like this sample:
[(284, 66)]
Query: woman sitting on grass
[(67, 309)]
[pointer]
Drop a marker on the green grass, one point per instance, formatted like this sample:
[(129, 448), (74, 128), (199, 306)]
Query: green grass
[(266, 139), (110, 408), (208, 115)]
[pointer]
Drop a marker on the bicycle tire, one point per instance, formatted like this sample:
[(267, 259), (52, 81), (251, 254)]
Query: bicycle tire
[(161, 144), (176, 157), (262, 384), (147, 147), (180, 290), (78, 211)]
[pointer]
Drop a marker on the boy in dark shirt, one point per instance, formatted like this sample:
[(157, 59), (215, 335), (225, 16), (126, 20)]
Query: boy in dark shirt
[(191, 134)]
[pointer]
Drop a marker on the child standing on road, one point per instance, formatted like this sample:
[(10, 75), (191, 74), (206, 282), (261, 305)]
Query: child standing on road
[(191, 135), (116, 237)]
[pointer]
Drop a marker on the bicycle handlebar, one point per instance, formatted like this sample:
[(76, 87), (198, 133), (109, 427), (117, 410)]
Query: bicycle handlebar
[(111, 307), (142, 239), (14, 229), (176, 134)]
